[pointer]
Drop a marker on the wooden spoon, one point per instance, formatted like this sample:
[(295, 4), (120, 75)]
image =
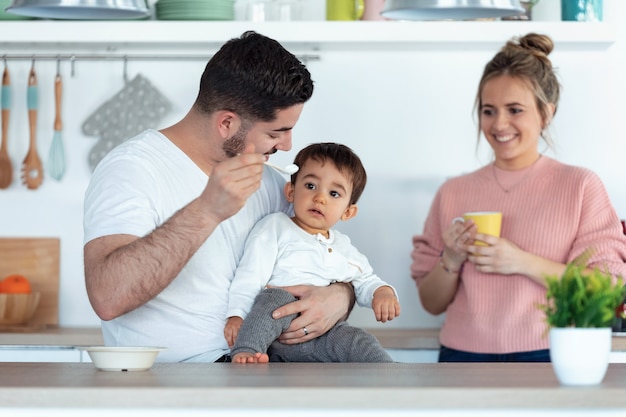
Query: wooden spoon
[(6, 168), (32, 172)]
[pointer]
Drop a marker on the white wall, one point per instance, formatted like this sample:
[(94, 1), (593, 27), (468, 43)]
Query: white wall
[(407, 113)]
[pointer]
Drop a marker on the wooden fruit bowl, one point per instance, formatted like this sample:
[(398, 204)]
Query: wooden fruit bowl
[(18, 308)]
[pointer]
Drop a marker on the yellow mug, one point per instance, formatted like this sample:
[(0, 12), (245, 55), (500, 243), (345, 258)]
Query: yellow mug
[(487, 222), (344, 9)]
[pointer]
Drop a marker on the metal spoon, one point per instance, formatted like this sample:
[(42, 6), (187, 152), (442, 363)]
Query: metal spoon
[(289, 169)]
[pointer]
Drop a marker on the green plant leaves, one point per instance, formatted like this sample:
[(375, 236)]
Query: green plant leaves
[(582, 298)]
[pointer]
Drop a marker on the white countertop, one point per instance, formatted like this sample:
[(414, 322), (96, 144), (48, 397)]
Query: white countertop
[(278, 386)]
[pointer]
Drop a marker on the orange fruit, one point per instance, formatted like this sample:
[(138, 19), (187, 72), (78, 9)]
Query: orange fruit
[(15, 284)]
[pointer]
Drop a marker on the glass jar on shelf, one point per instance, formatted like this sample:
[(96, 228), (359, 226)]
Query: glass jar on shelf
[(268, 10)]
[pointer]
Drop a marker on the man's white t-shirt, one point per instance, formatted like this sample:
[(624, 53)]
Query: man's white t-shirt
[(137, 187)]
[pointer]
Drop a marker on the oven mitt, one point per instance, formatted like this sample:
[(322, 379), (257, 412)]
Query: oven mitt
[(138, 106)]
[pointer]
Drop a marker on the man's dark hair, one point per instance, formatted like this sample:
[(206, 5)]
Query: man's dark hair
[(253, 76)]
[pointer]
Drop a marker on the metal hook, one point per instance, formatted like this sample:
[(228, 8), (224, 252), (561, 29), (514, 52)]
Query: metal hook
[(125, 69), (4, 58), (58, 65), (72, 66), (32, 66)]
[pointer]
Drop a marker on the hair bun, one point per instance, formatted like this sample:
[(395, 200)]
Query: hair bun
[(537, 43)]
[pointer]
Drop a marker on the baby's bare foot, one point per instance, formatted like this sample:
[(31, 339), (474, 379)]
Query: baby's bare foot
[(247, 357)]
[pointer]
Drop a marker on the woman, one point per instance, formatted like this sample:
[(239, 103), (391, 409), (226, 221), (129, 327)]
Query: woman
[(551, 214)]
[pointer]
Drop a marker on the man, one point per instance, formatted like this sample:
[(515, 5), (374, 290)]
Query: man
[(167, 212)]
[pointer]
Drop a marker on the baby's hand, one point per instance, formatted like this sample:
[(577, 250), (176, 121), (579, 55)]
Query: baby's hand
[(385, 304), (232, 329)]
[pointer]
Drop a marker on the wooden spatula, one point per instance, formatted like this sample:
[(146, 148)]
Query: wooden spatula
[(32, 172), (6, 168)]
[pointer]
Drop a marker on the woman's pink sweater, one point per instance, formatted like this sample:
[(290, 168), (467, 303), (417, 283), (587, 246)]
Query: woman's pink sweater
[(552, 210)]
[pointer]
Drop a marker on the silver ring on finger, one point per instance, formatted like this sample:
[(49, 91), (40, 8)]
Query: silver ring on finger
[(306, 332)]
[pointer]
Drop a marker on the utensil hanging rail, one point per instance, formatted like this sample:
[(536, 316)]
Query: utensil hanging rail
[(122, 57)]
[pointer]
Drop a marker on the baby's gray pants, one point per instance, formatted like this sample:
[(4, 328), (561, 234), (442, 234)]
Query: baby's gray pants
[(342, 343)]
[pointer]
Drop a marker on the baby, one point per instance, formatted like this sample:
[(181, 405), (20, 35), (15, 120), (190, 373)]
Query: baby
[(304, 249)]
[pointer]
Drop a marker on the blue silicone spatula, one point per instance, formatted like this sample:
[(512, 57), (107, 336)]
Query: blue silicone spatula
[(56, 156)]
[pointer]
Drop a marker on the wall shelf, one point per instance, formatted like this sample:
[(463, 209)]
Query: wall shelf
[(310, 35)]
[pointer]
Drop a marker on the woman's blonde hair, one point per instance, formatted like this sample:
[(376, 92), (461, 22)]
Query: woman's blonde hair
[(526, 58)]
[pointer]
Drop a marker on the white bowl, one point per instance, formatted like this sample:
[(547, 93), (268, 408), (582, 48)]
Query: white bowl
[(122, 358)]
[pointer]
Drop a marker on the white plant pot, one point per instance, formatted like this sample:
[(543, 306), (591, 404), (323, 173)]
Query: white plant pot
[(580, 356)]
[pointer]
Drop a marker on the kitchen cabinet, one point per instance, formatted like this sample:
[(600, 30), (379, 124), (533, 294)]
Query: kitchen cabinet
[(71, 354), (432, 355), (48, 344), (35, 353), (414, 355), (418, 345)]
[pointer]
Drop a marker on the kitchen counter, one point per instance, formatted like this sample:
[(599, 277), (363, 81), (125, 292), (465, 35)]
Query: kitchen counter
[(429, 339), (56, 336), (389, 387), (389, 338)]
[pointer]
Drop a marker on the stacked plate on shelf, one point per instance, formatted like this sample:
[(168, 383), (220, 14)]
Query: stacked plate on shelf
[(195, 9)]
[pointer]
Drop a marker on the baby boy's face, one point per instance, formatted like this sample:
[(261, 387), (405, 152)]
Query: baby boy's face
[(321, 196)]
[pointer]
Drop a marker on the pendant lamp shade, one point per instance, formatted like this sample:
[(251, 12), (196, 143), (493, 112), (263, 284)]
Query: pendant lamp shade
[(80, 9), (450, 9)]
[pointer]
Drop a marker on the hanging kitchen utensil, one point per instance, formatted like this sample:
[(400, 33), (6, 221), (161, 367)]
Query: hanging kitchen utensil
[(138, 106), (56, 156), (6, 168), (32, 171)]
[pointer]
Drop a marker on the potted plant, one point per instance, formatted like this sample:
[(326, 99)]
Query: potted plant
[(580, 308)]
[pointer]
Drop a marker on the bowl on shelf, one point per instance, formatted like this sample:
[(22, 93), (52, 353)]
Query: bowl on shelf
[(122, 358), (18, 308), (4, 15)]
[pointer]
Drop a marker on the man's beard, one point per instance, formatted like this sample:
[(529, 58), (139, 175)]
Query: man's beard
[(235, 145)]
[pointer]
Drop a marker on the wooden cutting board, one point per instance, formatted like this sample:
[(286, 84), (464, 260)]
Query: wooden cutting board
[(38, 260)]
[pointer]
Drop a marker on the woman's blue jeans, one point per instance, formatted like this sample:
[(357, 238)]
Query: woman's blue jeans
[(452, 355)]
